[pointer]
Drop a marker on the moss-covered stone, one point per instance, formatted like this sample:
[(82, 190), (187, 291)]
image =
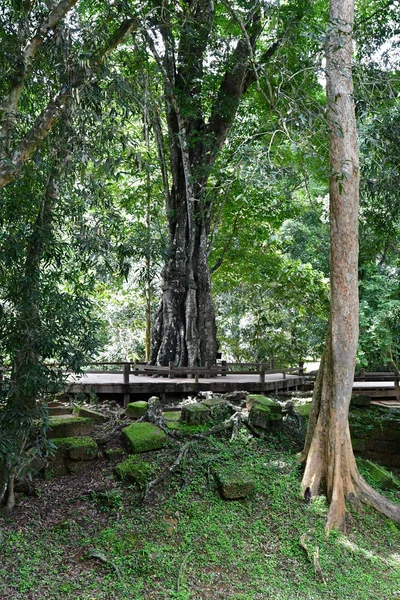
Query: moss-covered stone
[(80, 448), (172, 420), (358, 445), (303, 409), (69, 426), (173, 415), (55, 411), (264, 413), (233, 485), (195, 414), (135, 470), (254, 399), (219, 408), (375, 434), (135, 410), (143, 437), (80, 411), (360, 400), (260, 416), (383, 478)]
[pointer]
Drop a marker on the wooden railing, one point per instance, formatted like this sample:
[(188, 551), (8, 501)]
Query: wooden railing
[(221, 368), (209, 370), (378, 376)]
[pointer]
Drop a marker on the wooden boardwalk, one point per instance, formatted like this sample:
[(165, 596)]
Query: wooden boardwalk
[(113, 383), (144, 385)]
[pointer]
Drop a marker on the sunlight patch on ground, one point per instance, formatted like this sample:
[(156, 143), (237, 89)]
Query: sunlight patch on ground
[(392, 561)]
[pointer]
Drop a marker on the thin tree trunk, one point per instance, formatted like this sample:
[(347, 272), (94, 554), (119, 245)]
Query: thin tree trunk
[(25, 386), (328, 451)]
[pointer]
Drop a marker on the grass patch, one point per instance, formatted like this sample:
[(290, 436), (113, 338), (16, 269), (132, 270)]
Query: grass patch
[(187, 537)]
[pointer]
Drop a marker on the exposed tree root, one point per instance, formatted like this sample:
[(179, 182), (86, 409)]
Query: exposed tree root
[(329, 458), (171, 468), (10, 504), (181, 570), (154, 415), (313, 555), (93, 553)]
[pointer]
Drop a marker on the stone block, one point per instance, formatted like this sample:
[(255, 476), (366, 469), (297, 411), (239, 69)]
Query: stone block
[(143, 437), (384, 478), (56, 411), (172, 419), (254, 399), (218, 407), (260, 416), (79, 448), (233, 485), (135, 410), (382, 446), (358, 444), (387, 460), (65, 426), (361, 400), (195, 414), (172, 415), (81, 411), (303, 409)]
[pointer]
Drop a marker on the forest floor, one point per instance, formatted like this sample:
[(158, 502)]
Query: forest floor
[(91, 537)]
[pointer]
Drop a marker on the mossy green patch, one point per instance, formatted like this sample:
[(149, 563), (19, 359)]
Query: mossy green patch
[(260, 400), (135, 470), (384, 479), (303, 409), (69, 426), (135, 410), (79, 448), (173, 415), (143, 437), (89, 413), (185, 429)]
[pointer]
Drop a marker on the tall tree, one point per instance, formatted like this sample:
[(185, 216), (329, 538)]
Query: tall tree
[(328, 451), (198, 47)]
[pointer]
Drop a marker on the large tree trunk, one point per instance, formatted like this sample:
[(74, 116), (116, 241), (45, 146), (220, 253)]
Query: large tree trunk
[(185, 330), (328, 451)]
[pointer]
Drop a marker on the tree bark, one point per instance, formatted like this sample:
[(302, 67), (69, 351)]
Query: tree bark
[(184, 329), (328, 451)]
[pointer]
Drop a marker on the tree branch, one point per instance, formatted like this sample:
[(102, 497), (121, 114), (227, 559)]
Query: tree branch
[(10, 166), (11, 101), (234, 84)]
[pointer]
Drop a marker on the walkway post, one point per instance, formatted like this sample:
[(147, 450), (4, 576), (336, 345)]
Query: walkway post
[(127, 369)]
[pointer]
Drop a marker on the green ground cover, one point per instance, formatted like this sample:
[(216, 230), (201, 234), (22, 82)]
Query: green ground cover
[(187, 543)]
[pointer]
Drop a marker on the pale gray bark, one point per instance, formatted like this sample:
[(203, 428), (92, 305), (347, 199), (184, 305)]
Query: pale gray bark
[(328, 452)]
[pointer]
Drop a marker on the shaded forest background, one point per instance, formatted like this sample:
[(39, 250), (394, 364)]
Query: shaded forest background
[(84, 225)]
